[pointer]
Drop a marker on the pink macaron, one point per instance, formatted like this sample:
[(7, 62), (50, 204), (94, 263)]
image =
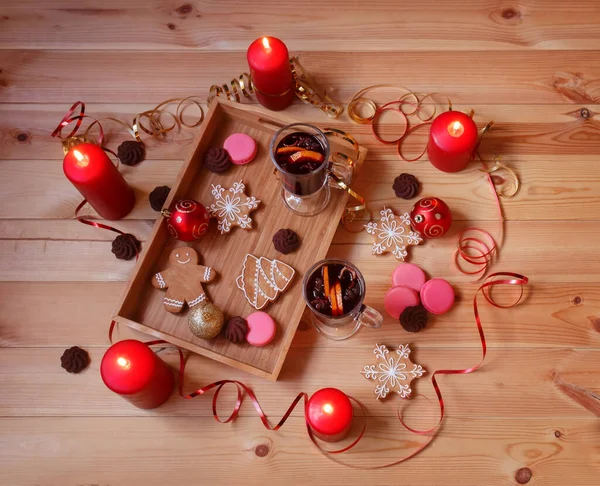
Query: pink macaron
[(410, 275), (240, 147), (261, 329), (437, 296), (399, 298)]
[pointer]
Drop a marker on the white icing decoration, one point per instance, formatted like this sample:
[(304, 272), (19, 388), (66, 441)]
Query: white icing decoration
[(393, 235), (197, 300), (160, 280), (227, 208), (258, 272), (207, 273), (173, 302), (392, 371)]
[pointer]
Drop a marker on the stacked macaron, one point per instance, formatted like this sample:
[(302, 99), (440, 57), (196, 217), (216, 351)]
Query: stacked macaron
[(412, 289)]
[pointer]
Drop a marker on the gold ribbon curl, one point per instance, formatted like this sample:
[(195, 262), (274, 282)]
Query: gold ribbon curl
[(304, 89)]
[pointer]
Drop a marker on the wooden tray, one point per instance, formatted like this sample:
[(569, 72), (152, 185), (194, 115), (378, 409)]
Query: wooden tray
[(141, 305)]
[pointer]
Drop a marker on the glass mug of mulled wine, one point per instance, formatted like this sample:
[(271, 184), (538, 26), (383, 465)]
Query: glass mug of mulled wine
[(334, 291), (301, 154)]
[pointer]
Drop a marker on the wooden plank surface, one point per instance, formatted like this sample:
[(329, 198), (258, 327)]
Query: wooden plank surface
[(466, 77), (209, 26), (532, 66)]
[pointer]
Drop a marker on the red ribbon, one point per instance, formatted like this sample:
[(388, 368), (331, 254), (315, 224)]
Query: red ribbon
[(507, 278), (68, 119)]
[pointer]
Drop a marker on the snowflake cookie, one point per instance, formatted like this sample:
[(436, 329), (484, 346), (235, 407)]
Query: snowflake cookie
[(232, 207), (393, 371), (393, 233)]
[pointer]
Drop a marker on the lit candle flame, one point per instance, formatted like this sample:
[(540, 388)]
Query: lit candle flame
[(124, 363), (82, 161), (328, 408), (456, 129), (265, 43)]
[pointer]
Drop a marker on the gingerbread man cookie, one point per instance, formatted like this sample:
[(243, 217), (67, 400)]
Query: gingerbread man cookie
[(183, 279)]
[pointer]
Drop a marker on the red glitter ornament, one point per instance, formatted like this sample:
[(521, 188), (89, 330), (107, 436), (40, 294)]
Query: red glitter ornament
[(431, 217), (188, 221)]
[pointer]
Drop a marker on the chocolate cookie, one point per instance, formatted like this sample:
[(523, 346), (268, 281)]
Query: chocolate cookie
[(236, 330), (126, 246), (286, 241), (75, 359), (158, 196), (131, 152), (406, 186), (217, 160), (414, 319)]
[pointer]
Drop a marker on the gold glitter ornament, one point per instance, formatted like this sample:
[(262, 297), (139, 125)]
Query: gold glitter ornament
[(205, 320)]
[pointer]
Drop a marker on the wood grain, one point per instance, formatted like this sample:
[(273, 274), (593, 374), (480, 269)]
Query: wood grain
[(486, 452), (224, 26), (567, 191), (48, 260), (527, 76), (552, 316), (531, 66), (521, 130), (514, 383)]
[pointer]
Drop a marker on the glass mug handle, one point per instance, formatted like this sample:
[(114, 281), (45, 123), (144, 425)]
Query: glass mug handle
[(369, 317), (341, 170)]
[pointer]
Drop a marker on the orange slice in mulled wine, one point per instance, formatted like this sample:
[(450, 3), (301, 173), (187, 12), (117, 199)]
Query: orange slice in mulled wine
[(306, 156), (288, 150), (326, 280), (338, 297)]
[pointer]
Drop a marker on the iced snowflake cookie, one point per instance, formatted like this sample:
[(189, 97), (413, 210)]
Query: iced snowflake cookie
[(392, 371), (232, 207), (393, 233)]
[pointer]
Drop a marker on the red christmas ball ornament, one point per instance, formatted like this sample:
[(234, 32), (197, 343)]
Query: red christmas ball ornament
[(431, 217), (188, 220)]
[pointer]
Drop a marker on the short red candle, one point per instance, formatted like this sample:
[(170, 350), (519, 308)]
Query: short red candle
[(130, 369), (452, 141), (98, 180), (329, 414), (271, 73)]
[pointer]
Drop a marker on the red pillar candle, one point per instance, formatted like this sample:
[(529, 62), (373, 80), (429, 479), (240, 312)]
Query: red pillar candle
[(98, 180), (271, 73), (130, 369), (452, 141), (329, 414)]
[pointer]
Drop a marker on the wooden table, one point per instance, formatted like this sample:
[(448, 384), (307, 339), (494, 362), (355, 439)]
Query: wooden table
[(532, 66)]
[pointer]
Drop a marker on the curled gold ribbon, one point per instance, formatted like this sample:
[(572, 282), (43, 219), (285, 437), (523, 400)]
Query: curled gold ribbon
[(509, 181), (240, 85), (148, 122), (306, 92), (304, 88), (351, 212)]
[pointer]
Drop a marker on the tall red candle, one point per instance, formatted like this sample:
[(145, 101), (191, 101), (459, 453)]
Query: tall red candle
[(452, 141), (130, 369), (98, 180), (271, 73), (329, 414)]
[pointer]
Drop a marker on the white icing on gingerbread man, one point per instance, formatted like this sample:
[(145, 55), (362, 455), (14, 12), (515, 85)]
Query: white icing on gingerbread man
[(183, 279)]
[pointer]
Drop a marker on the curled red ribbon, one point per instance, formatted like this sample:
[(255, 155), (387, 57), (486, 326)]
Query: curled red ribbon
[(506, 278)]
